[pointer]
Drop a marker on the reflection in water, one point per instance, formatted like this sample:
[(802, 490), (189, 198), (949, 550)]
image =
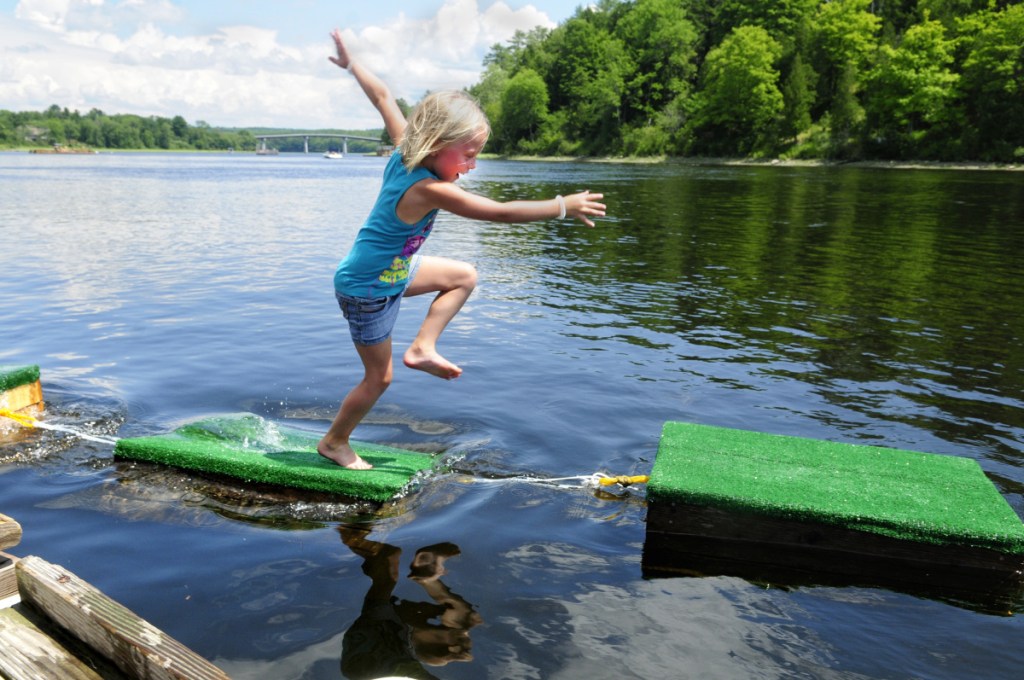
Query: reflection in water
[(394, 636)]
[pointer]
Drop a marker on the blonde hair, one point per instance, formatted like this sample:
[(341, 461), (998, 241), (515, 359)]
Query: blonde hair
[(440, 120)]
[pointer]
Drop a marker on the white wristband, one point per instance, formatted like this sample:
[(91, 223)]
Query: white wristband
[(561, 207), (350, 65)]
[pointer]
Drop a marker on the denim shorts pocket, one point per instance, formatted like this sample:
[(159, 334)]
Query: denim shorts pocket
[(370, 320), (356, 305), (363, 306)]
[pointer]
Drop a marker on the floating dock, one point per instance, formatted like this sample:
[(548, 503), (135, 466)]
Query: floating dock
[(254, 450), (746, 503), (55, 625)]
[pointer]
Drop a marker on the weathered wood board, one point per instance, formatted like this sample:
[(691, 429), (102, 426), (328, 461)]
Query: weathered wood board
[(134, 645), (10, 532)]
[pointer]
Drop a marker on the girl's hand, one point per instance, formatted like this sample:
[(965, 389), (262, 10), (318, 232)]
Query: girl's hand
[(583, 206), (342, 60)]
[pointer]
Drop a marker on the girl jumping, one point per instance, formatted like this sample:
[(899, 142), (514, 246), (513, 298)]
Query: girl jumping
[(437, 145)]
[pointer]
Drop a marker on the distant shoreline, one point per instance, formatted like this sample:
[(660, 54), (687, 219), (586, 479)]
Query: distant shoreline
[(651, 160), (774, 162)]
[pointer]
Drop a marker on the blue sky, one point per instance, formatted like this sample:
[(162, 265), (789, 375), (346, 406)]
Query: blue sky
[(247, 62)]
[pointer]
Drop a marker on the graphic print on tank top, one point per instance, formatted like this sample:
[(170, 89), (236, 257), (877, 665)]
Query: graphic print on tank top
[(399, 269)]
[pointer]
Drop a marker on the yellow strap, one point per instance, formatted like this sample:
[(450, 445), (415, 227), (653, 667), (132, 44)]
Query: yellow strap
[(21, 418), (623, 480)]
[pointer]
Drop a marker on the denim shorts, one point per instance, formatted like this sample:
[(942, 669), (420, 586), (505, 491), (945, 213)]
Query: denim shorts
[(370, 320)]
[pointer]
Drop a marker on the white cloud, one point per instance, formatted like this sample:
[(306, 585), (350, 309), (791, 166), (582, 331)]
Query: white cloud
[(130, 56)]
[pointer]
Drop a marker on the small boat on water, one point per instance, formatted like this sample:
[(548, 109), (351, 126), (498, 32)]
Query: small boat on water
[(333, 154)]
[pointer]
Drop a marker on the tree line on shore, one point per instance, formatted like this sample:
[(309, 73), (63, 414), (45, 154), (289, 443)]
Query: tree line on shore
[(842, 79), (818, 79), (98, 130)]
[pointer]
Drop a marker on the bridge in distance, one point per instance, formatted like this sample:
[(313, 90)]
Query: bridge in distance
[(305, 139)]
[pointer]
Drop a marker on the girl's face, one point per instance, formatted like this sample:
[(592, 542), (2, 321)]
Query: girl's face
[(456, 160)]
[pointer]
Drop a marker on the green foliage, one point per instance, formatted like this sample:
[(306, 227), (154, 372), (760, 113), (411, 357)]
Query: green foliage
[(993, 83), (97, 130), (910, 93), (739, 98), (781, 18), (798, 98), (588, 77), (907, 79), (843, 43), (660, 41), (524, 109)]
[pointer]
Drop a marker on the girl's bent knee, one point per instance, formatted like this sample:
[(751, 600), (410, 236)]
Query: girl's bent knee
[(468, 277)]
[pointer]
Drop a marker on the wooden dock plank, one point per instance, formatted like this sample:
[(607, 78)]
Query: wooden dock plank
[(8, 582), (134, 645), (27, 653), (10, 532)]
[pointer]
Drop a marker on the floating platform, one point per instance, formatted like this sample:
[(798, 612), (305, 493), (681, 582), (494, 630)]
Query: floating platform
[(747, 503), (20, 387), (250, 448)]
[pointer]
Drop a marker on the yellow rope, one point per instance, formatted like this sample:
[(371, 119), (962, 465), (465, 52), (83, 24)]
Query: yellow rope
[(594, 480), (20, 418), (623, 480)]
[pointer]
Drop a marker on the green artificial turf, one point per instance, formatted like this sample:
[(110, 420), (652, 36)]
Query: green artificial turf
[(250, 448), (16, 376), (945, 500)]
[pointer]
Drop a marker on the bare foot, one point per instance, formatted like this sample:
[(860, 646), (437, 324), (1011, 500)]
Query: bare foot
[(344, 456), (432, 363)]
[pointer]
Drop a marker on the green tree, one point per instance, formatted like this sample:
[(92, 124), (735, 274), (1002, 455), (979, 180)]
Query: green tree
[(524, 109), (993, 84), (797, 97), (781, 18), (661, 43), (525, 49), (588, 80), (845, 38), (7, 127), (489, 91), (163, 135), (179, 127), (740, 97), (846, 115), (910, 93), (56, 131)]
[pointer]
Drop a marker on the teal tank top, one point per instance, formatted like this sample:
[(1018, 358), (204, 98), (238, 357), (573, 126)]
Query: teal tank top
[(378, 263)]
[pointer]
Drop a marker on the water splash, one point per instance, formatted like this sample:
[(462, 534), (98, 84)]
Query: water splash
[(29, 421), (78, 433)]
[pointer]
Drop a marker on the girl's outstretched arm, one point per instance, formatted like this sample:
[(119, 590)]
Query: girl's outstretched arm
[(429, 194), (377, 92)]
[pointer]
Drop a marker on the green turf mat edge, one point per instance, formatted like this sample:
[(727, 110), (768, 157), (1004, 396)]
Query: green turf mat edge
[(16, 376)]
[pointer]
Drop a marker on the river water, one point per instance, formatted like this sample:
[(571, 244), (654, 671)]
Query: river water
[(869, 306)]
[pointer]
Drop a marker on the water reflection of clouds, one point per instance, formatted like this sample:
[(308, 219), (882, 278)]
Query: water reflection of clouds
[(721, 627)]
